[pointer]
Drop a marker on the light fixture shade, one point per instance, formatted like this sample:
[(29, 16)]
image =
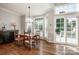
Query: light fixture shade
[(13, 22)]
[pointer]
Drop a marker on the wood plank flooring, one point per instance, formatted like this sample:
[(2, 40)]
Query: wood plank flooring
[(44, 48)]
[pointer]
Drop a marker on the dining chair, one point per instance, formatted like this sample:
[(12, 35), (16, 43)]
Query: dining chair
[(36, 39), (29, 42), (19, 39)]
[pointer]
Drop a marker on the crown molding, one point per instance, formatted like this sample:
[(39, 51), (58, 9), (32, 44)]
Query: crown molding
[(9, 11)]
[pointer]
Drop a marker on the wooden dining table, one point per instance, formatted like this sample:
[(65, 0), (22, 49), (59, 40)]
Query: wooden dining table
[(32, 39)]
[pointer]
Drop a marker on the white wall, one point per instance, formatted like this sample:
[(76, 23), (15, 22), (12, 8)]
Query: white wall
[(7, 18), (22, 24)]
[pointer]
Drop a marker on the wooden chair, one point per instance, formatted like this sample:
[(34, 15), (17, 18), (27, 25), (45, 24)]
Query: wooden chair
[(36, 39), (19, 40), (29, 41)]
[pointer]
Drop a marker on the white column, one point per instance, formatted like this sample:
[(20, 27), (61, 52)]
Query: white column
[(65, 29), (77, 30), (51, 24)]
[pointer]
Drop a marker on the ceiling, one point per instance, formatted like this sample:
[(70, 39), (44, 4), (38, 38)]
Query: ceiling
[(22, 8)]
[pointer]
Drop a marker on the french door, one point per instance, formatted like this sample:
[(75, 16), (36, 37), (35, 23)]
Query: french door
[(71, 30), (60, 37), (66, 30)]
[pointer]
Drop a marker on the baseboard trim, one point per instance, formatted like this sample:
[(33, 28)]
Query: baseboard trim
[(51, 42)]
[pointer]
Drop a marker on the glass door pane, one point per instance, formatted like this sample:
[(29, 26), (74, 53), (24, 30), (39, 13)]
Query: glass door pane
[(58, 30), (62, 30), (71, 30)]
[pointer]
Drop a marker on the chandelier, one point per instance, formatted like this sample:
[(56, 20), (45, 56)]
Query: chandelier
[(28, 19)]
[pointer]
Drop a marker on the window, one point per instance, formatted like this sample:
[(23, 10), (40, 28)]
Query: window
[(39, 26)]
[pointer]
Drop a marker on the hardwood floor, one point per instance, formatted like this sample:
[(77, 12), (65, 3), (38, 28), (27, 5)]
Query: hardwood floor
[(44, 48)]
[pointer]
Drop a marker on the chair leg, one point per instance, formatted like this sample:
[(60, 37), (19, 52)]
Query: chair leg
[(17, 43), (30, 44), (37, 43)]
